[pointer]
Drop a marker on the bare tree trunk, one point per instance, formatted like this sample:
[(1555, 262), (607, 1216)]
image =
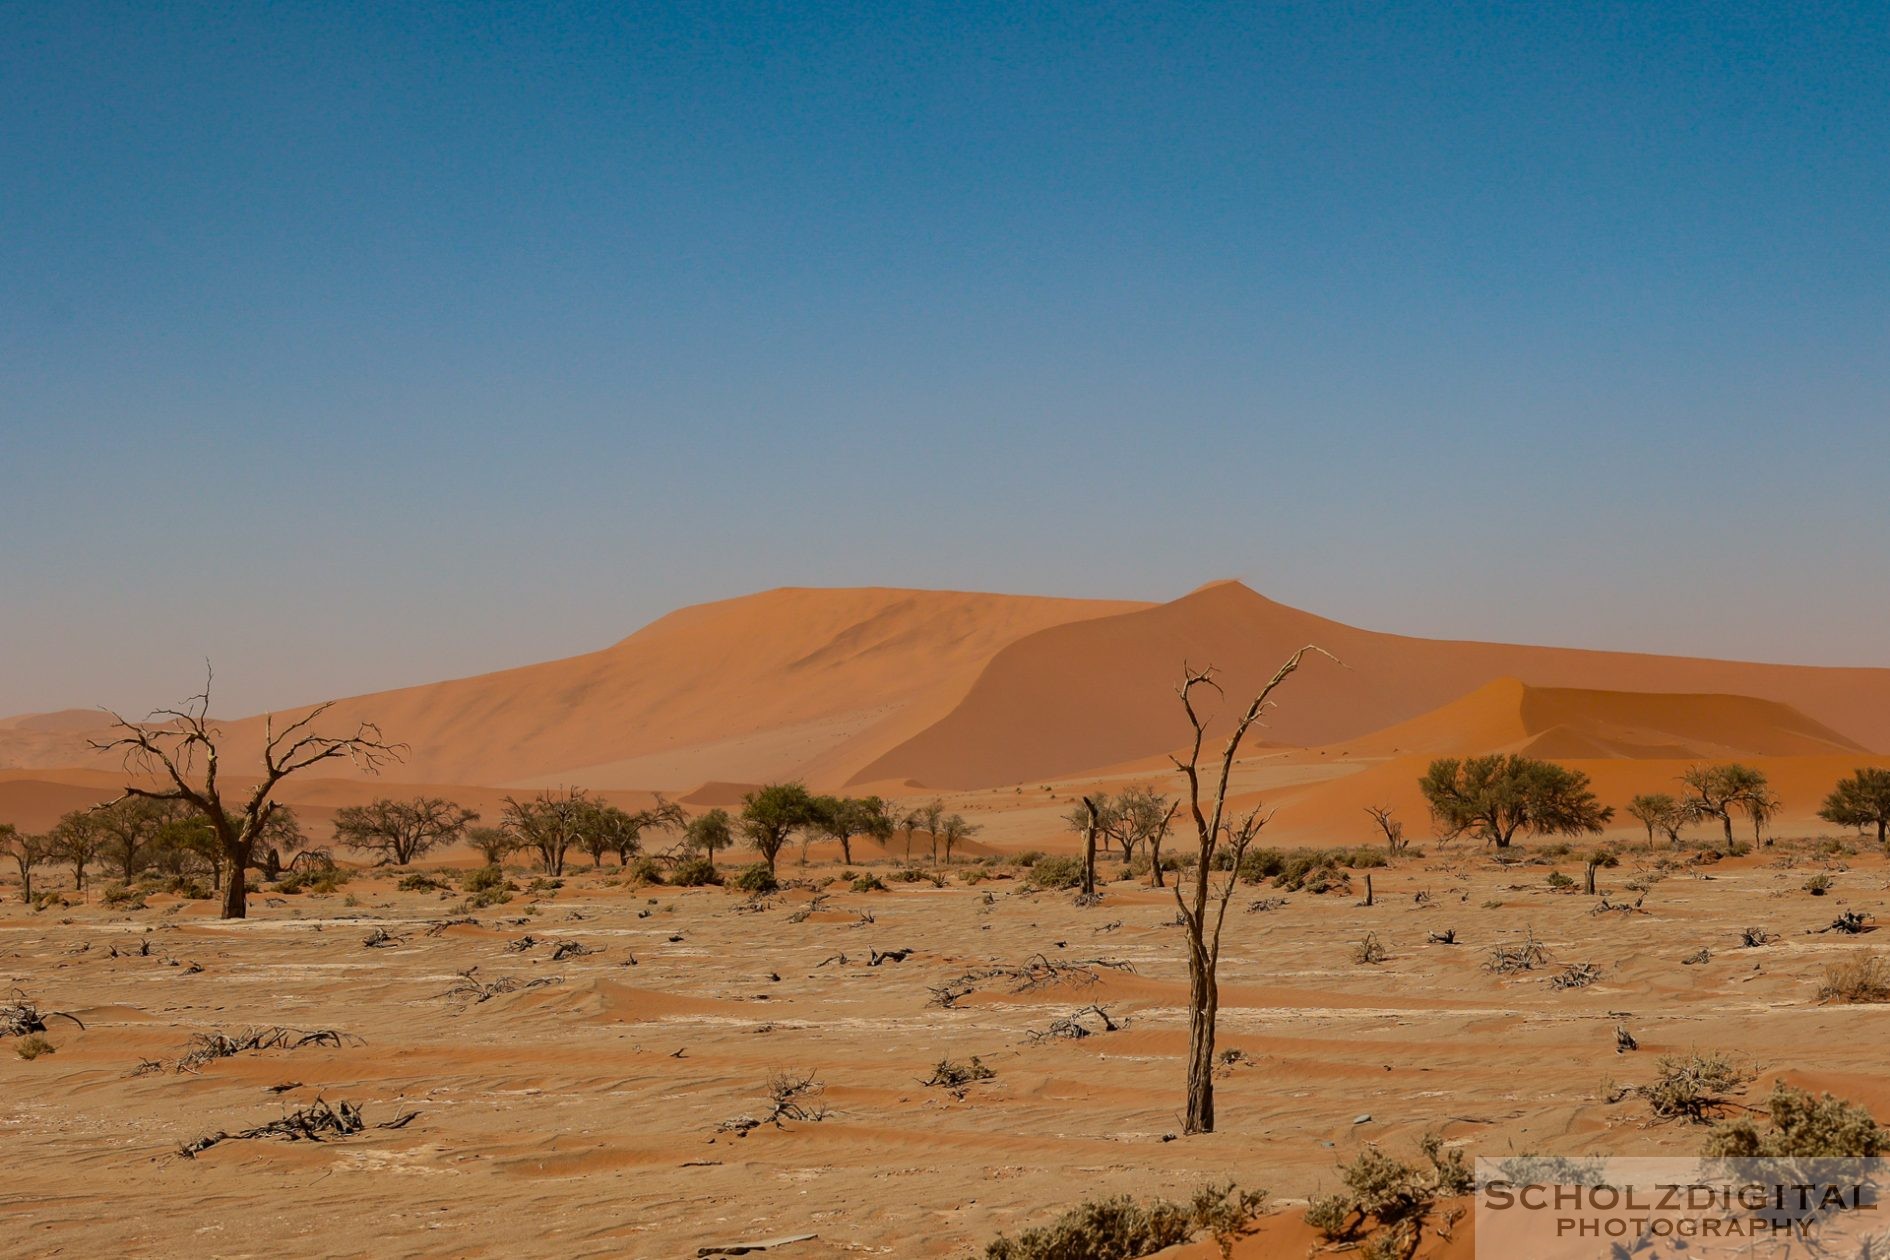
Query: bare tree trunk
[(236, 888), (1155, 862), (1368, 889), (1204, 1004), (1589, 888), (1089, 851)]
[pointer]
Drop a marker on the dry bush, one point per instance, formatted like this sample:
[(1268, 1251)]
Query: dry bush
[(305, 1124), (1694, 1087), (1526, 956), (31, 1046), (1820, 884), (1859, 978), (1370, 951)]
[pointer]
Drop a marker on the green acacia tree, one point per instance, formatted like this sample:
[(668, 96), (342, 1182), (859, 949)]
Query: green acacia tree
[(1717, 791), (708, 832), (1496, 796), (773, 813), (1861, 800)]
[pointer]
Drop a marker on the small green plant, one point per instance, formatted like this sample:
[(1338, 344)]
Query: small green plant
[(1559, 881), (421, 881), (1028, 858), (1820, 884), (483, 879), (756, 878), (868, 883)]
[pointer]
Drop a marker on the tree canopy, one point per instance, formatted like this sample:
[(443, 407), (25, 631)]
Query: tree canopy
[(1494, 797), (1860, 800)]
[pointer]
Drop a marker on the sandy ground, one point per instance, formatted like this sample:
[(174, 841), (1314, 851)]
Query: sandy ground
[(580, 1117)]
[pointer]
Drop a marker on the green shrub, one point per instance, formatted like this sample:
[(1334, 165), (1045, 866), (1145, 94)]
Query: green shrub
[(868, 883), (1820, 884), (646, 870), (756, 878), (1056, 872), (1391, 1192), (1802, 1126), (483, 879), (1559, 881), (421, 881), (694, 873), (1028, 858), (119, 897), (1119, 1228)]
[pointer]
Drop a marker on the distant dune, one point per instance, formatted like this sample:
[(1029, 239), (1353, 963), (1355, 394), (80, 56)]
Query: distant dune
[(1101, 693), (1508, 715), (932, 690), (790, 682)]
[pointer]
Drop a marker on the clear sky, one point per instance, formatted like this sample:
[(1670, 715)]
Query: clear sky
[(361, 345)]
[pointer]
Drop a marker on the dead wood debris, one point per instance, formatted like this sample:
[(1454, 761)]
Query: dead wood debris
[(473, 990), (312, 1123), (1074, 1028), (211, 1046), (957, 1078), (20, 1017), (1034, 973), (1575, 976)]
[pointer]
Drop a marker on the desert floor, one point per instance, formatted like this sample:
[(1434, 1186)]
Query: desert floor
[(580, 1117)]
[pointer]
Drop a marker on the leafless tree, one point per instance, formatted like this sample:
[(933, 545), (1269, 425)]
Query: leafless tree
[(1203, 903), (27, 851), (178, 750), (1094, 808), (1392, 827)]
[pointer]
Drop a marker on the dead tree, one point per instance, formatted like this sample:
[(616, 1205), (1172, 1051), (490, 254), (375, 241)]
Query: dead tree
[(1204, 905), (178, 748), (1092, 824), (1392, 827)]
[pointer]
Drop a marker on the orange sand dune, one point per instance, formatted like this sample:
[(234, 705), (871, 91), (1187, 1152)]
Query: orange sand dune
[(1508, 715), (937, 691), (813, 683), (1101, 692)]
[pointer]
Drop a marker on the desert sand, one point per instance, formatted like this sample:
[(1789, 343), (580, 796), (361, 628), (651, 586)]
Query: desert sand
[(590, 1114), (581, 1117)]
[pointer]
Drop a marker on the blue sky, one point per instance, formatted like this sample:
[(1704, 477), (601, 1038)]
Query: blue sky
[(360, 345)]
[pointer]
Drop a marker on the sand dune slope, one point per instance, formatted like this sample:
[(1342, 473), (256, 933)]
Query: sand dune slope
[(1509, 715), (1101, 692), (787, 682)]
